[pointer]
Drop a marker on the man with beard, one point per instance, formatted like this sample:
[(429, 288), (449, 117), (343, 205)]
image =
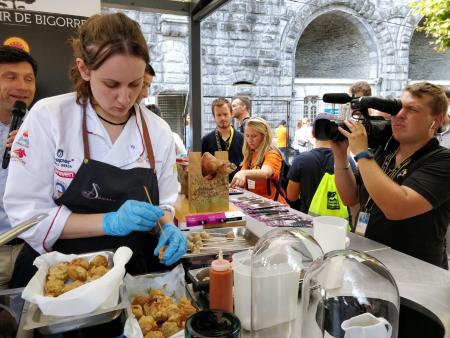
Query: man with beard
[(241, 111), (224, 137)]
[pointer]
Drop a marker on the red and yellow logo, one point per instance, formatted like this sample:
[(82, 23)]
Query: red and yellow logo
[(17, 42)]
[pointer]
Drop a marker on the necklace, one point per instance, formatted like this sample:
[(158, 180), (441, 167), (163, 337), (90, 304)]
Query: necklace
[(114, 123)]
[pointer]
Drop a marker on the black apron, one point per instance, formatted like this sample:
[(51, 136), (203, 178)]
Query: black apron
[(99, 188)]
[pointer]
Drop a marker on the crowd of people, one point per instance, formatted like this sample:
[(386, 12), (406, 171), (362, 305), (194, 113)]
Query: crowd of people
[(101, 164)]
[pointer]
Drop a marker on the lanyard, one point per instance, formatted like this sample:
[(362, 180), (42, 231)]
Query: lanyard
[(227, 142), (390, 172)]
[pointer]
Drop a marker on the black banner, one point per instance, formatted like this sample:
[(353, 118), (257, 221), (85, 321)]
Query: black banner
[(46, 37)]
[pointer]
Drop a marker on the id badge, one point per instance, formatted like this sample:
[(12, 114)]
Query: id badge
[(361, 223), (251, 184)]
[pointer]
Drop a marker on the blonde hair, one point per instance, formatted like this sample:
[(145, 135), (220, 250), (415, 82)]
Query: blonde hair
[(261, 126)]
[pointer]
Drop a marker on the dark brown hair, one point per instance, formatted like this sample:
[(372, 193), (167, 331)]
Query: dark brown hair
[(99, 38), (437, 99), (219, 102)]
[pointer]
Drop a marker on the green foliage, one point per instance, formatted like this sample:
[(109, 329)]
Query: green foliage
[(437, 21)]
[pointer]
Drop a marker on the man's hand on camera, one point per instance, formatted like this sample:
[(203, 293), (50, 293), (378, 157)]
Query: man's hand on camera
[(357, 136), (339, 149)]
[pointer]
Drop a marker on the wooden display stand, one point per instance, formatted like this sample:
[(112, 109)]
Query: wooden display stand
[(207, 195)]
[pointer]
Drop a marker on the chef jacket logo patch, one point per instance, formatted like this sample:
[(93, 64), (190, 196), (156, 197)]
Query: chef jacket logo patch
[(18, 155), (332, 201), (62, 162), (60, 187), (23, 140), (65, 174), (20, 152)]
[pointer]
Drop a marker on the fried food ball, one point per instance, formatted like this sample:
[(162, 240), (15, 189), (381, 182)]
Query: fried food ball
[(190, 246), (58, 271), (140, 300), (204, 235), (154, 334), (98, 260), (197, 237), (53, 288), (169, 328), (81, 262), (76, 272), (172, 310), (147, 324), (161, 252), (71, 286), (156, 311), (137, 311), (197, 248), (156, 294), (96, 272), (186, 308), (230, 235)]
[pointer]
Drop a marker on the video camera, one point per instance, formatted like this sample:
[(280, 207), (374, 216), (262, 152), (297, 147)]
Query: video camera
[(378, 129)]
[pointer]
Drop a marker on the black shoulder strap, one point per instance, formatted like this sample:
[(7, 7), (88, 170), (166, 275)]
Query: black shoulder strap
[(323, 168), (277, 184)]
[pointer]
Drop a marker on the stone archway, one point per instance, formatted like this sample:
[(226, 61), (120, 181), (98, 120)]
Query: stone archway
[(336, 43), (425, 63), (363, 14)]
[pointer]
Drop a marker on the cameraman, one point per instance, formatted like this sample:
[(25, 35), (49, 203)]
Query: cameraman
[(404, 191)]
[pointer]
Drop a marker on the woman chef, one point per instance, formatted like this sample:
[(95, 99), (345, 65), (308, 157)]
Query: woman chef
[(87, 158)]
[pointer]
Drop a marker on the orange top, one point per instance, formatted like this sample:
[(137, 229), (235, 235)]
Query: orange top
[(274, 160)]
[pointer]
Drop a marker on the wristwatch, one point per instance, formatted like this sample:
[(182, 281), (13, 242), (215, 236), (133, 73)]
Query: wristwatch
[(364, 154)]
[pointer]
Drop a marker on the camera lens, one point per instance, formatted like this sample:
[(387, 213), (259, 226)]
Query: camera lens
[(325, 130)]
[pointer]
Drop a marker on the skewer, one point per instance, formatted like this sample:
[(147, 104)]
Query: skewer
[(150, 201), (228, 240), (220, 247)]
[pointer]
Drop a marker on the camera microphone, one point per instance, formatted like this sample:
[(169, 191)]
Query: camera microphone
[(337, 98), (18, 112), (388, 104)]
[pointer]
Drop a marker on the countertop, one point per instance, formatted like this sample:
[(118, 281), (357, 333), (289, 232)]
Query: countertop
[(418, 281)]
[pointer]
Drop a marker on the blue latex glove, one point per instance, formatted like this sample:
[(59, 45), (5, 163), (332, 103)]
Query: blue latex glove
[(131, 216), (177, 242)]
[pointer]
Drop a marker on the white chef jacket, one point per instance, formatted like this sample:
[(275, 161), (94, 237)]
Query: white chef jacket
[(48, 151)]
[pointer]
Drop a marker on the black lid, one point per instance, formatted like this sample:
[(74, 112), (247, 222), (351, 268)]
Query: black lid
[(213, 324)]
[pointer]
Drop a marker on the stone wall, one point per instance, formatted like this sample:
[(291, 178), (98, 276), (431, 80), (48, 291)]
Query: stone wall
[(291, 48)]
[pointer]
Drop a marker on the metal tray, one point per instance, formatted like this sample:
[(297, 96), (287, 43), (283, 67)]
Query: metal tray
[(198, 260), (34, 319), (199, 278), (52, 324), (231, 246)]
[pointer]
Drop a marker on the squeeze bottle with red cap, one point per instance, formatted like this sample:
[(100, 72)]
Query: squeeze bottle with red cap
[(221, 285)]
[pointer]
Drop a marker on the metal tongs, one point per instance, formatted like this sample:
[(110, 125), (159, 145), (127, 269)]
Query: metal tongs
[(18, 229)]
